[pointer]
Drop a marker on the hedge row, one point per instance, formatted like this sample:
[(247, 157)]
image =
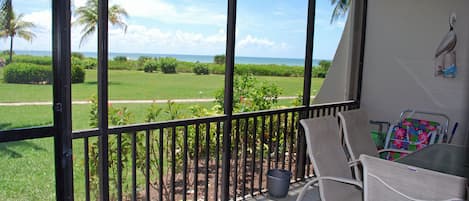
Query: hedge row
[(262, 70), (171, 65), (28, 73), (40, 60), (25, 73)]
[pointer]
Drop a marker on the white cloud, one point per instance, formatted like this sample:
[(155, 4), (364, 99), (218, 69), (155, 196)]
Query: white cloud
[(144, 39), (42, 19), (253, 41), (171, 13)]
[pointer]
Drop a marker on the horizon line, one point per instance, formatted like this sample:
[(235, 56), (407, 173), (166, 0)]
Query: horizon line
[(50, 51)]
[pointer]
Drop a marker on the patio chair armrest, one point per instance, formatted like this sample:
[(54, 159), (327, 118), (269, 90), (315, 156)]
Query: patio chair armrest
[(353, 163), (344, 180), (337, 179), (394, 150)]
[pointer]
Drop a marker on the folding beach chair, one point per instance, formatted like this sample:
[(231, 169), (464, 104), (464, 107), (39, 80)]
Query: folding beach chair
[(411, 133), (357, 137)]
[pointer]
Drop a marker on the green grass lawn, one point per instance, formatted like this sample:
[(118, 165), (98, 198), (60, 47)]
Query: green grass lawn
[(27, 167), (135, 85)]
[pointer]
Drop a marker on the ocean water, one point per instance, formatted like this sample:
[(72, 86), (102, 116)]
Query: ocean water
[(189, 58)]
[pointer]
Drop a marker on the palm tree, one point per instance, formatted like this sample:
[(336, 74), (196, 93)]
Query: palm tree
[(340, 9), (5, 13), (88, 17), (13, 25)]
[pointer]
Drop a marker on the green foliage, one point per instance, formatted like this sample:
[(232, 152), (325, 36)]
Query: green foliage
[(6, 52), (150, 66), (117, 117), (142, 59), (153, 113), (120, 58), (340, 9), (86, 63), (325, 64), (298, 101), (217, 68), (219, 59), (200, 69), (40, 60), (78, 74), (89, 63), (14, 26), (185, 67), (123, 65), (78, 55), (29, 73), (168, 64), (269, 70), (251, 95), (25, 73), (87, 17), (321, 70)]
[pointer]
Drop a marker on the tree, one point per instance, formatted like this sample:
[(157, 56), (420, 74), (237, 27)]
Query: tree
[(5, 13), (325, 64), (340, 8), (13, 25), (219, 59), (88, 17)]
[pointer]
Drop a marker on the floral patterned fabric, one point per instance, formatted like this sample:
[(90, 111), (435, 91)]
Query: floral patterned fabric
[(411, 134)]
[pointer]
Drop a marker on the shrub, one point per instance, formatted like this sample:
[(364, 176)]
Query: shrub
[(150, 66), (122, 65), (26, 73), (249, 94), (89, 63), (200, 69), (40, 60), (185, 67), (78, 74), (321, 70), (217, 68), (120, 58), (142, 59), (168, 64), (269, 70), (7, 52), (219, 59), (78, 55)]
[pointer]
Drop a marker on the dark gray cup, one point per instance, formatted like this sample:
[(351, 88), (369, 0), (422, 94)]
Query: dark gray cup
[(278, 182)]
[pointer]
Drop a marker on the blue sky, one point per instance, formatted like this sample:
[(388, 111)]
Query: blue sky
[(265, 28)]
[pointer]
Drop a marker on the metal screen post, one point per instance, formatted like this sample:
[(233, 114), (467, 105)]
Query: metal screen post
[(301, 162), (62, 99), (103, 99), (228, 98)]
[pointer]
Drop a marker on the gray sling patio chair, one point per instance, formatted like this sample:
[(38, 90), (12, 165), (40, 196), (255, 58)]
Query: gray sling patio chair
[(357, 137), (385, 180), (330, 163)]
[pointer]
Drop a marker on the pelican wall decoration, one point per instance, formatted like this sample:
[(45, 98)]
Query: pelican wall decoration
[(445, 55)]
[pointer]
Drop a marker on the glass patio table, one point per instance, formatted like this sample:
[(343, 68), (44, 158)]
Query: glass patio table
[(444, 158)]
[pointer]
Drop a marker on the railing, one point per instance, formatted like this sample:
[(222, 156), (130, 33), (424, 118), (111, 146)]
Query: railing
[(182, 160)]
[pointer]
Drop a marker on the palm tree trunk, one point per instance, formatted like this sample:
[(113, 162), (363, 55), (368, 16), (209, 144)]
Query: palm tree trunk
[(11, 49)]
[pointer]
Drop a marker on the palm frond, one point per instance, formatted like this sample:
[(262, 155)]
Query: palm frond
[(86, 34), (27, 35), (87, 16), (340, 9)]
